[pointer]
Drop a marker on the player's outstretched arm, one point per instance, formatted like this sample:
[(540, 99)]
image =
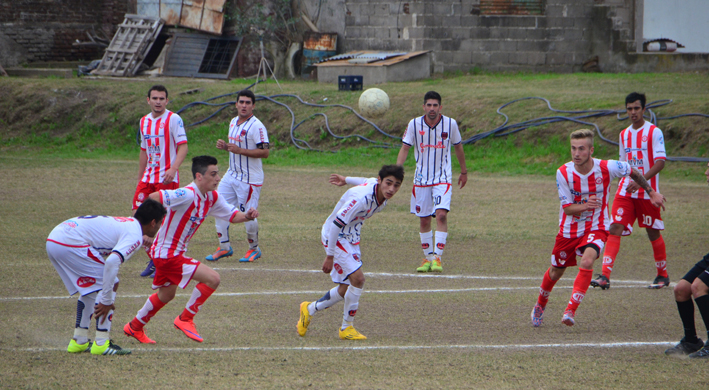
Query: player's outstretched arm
[(657, 199), (337, 180), (249, 215)]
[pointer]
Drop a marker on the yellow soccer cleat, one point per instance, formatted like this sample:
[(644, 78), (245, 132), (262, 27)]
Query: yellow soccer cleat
[(350, 333), (304, 320), (75, 347), (108, 348), (436, 265), (425, 266)]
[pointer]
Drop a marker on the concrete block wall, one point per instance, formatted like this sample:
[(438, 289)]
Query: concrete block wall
[(44, 30)]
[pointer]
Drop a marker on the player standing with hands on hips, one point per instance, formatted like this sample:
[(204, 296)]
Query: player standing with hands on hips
[(584, 187), (431, 135), (643, 147), (163, 148), (241, 185)]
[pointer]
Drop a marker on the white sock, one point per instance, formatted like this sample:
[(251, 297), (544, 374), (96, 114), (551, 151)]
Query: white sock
[(330, 298), (252, 233), (223, 233), (440, 242), (351, 304), (84, 310), (81, 335), (427, 242)]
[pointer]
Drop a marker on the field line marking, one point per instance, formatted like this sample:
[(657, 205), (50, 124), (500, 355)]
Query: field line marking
[(635, 344)]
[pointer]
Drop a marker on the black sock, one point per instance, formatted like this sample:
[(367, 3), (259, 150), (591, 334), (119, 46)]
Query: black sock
[(686, 314), (703, 306)]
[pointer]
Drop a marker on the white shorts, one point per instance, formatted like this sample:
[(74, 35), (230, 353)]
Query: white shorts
[(79, 267), (425, 200), (348, 259), (237, 193)]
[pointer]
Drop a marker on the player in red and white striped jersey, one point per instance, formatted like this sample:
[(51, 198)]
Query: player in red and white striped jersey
[(584, 188), (241, 186), (187, 208), (643, 147), (432, 135), (163, 148)]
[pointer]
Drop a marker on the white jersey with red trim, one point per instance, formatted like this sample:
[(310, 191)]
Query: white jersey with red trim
[(641, 148), (121, 235), (159, 139), (432, 149), (575, 188), (355, 206), (187, 208), (248, 135)]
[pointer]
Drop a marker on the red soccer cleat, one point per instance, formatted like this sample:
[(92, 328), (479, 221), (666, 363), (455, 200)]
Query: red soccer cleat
[(137, 334), (188, 328)]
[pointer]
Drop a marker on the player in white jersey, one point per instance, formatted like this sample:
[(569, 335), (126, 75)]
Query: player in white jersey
[(432, 135), (584, 188), (187, 207), (163, 148), (340, 236), (87, 252), (643, 147), (241, 185)]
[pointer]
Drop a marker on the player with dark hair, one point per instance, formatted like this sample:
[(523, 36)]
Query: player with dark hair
[(432, 135), (584, 186), (341, 235), (87, 252), (163, 148), (187, 208), (643, 147), (241, 187), (694, 284)]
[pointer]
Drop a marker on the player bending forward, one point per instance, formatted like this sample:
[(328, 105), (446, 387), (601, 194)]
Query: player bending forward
[(694, 283), (187, 208), (87, 252), (340, 236), (584, 185)]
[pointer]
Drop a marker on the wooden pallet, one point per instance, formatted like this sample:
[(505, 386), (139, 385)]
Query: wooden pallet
[(129, 46)]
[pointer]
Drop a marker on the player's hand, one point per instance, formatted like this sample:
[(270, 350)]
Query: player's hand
[(221, 144), (251, 214), (327, 264), (593, 203), (658, 200), (169, 175), (632, 187), (147, 242), (337, 180), (101, 310), (462, 180), (233, 148)]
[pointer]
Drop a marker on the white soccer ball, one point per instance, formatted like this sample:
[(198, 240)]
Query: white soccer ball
[(373, 102)]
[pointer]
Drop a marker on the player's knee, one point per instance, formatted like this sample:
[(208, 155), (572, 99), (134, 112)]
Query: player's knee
[(699, 288), (441, 217), (357, 279), (616, 229), (683, 291)]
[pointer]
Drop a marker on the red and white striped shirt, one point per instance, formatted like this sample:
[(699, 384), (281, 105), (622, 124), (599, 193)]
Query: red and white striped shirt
[(159, 139), (641, 148), (575, 188), (187, 208), (432, 149)]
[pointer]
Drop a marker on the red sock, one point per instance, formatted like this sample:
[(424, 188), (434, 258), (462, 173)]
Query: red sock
[(151, 307), (199, 295), (545, 289), (609, 254), (581, 283), (658, 249)]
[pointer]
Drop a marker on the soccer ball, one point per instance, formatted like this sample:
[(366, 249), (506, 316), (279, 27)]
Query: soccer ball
[(373, 102)]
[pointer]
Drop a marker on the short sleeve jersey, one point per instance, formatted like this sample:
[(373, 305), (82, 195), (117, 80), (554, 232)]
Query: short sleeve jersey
[(120, 235), (186, 208), (248, 135), (575, 188), (159, 139), (354, 207), (641, 148), (432, 149)]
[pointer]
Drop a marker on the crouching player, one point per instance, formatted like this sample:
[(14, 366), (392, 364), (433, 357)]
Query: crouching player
[(694, 283), (341, 235), (187, 208), (584, 186), (87, 252)]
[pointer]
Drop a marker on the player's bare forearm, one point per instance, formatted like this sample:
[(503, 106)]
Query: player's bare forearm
[(460, 154), (101, 311), (180, 155), (155, 196), (576, 209), (142, 163), (249, 215), (327, 264), (403, 153), (640, 180), (659, 165), (253, 153)]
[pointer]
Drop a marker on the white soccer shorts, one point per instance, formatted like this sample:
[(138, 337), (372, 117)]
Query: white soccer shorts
[(425, 200), (238, 193), (79, 272)]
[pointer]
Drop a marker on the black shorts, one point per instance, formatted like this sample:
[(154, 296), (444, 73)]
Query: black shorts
[(700, 270)]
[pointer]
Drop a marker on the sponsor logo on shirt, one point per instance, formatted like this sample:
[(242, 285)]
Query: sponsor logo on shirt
[(85, 281), (356, 257), (349, 207), (179, 193), (635, 162), (338, 268), (628, 150), (133, 247), (166, 197), (70, 224), (151, 136), (438, 145)]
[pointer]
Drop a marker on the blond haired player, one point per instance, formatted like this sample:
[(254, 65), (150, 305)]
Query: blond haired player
[(584, 186), (431, 136), (163, 148)]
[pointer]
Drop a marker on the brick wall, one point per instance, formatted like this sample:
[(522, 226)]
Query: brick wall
[(44, 30)]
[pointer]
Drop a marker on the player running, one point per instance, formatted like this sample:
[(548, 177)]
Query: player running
[(241, 185), (87, 253), (341, 235), (187, 208), (584, 187), (163, 148), (694, 283), (431, 135), (643, 147)]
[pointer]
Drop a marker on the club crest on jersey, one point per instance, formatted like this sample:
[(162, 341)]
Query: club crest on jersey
[(421, 132), (563, 255), (85, 281), (162, 125), (243, 133), (599, 180), (141, 196), (644, 138), (338, 268), (444, 135)]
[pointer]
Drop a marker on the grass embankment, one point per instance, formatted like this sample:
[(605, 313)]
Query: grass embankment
[(82, 118)]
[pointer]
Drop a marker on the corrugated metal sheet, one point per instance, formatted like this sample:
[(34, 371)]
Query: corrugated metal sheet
[(197, 55), (512, 7), (203, 15)]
